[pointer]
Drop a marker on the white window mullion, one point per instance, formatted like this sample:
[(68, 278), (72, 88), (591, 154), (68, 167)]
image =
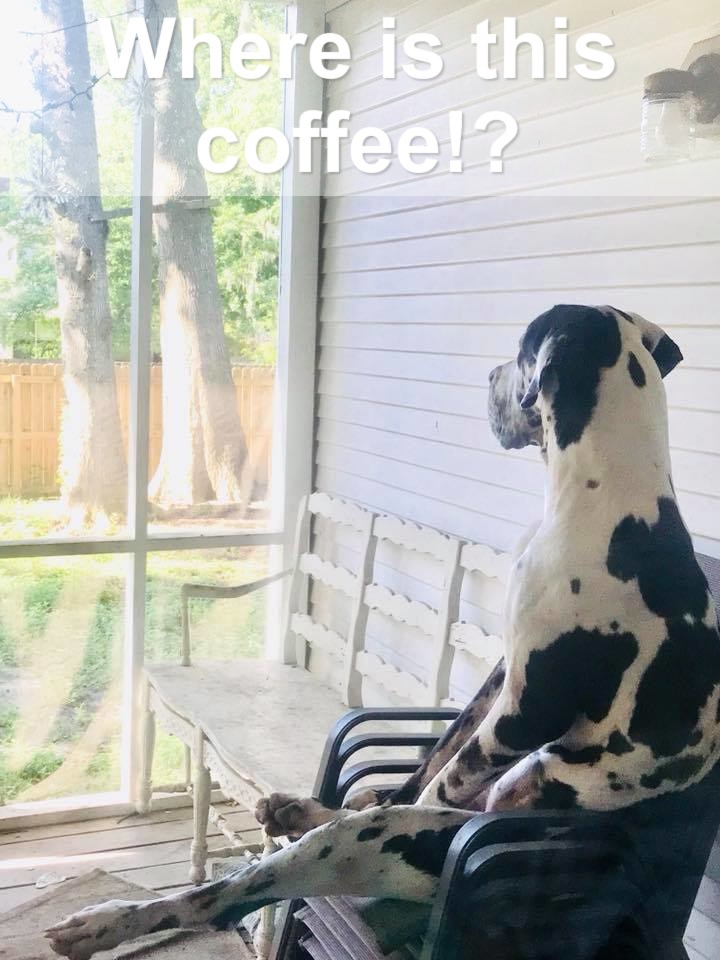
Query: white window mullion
[(138, 448)]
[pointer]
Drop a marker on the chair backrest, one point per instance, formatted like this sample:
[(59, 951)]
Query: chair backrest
[(432, 621), (481, 567), (309, 566)]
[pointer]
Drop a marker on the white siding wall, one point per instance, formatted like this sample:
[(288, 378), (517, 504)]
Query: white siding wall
[(422, 296)]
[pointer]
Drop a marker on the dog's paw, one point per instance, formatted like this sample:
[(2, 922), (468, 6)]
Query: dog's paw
[(284, 816), (94, 929)]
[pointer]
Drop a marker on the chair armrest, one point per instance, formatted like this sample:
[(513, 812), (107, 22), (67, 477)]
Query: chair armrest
[(338, 748), (209, 592)]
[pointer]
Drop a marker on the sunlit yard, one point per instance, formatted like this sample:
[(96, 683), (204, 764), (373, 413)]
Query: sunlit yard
[(61, 632)]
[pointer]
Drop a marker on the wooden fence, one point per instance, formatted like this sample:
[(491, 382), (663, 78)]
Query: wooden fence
[(31, 404)]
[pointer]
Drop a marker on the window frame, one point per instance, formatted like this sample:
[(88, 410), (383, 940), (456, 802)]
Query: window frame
[(293, 430)]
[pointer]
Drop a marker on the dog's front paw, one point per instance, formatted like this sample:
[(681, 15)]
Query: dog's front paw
[(284, 816), (95, 928)]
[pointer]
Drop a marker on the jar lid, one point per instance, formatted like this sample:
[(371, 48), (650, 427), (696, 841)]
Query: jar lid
[(669, 84)]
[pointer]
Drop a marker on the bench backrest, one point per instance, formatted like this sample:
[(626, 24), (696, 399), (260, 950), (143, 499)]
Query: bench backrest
[(350, 583), (484, 572), (408, 612)]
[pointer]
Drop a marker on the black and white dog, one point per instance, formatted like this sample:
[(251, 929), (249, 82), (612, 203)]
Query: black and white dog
[(610, 689)]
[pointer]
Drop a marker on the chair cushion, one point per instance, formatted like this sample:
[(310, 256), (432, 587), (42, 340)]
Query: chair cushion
[(267, 720)]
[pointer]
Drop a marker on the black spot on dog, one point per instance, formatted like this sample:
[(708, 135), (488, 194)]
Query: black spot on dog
[(370, 833), (584, 342), (677, 772), (616, 787), (675, 687), (578, 674), (455, 781), (588, 755), (555, 795), (170, 922), (614, 625), (326, 851), (232, 915), (612, 775), (426, 850), (662, 559), (647, 343), (575, 585), (592, 484), (501, 759), (618, 744), (442, 793), (472, 757), (636, 371), (259, 887)]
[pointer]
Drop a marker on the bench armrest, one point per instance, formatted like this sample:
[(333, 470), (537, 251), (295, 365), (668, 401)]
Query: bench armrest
[(209, 592), (339, 746)]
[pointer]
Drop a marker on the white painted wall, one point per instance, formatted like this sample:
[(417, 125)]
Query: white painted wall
[(422, 295)]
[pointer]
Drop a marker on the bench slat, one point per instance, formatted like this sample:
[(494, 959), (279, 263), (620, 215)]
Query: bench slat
[(479, 558), (390, 678), (340, 511), (473, 640), (406, 534), (402, 609), (317, 635), (333, 576)]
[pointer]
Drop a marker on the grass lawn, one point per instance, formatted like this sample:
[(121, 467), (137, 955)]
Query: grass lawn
[(61, 638)]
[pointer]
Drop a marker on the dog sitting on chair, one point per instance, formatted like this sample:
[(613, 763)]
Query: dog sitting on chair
[(609, 693)]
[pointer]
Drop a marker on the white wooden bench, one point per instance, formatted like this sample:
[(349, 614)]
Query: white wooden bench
[(256, 726)]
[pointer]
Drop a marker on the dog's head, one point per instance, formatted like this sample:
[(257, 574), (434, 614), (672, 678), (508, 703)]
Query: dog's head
[(562, 355)]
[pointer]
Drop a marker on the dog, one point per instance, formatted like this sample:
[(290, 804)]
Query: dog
[(609, 693)]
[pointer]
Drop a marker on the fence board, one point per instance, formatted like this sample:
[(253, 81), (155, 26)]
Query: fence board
[(31, 407)]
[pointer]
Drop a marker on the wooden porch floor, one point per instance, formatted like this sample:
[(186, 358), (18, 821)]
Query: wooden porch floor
[(153, 852)]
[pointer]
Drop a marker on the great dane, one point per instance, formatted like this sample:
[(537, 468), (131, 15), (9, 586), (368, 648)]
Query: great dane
[(609, 692)]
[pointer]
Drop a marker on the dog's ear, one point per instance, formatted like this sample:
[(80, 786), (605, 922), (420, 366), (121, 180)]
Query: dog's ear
[(663, 349), (544, 378)]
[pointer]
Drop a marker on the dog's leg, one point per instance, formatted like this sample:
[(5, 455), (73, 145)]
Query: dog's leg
[(520, 721), (397, 853), (453, 739), (283, 815)]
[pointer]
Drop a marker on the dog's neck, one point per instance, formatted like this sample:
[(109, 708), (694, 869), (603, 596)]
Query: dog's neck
[(623, 453)]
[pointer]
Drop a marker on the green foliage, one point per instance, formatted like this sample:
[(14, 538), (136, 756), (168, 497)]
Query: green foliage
[(95, 672), (40, 599), (27, 294)]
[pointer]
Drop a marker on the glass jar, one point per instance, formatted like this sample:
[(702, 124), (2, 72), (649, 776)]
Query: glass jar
[(668, 128)]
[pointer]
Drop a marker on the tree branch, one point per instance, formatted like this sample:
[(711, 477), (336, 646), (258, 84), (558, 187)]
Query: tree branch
[(56, 104), (75, 26)]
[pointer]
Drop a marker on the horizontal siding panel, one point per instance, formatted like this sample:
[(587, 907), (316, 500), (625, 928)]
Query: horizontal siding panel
[(409, 421), (455, 519), (684, 226), (495, 468), (374, 221), (697, 265), (669, 307)]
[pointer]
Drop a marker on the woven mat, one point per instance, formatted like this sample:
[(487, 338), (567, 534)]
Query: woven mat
[(21, 929)]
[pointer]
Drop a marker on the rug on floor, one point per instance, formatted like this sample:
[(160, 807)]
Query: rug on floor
[(21, 929)]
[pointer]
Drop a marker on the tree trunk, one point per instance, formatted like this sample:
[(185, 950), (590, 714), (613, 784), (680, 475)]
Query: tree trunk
[(92, 466), (204, 456)]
